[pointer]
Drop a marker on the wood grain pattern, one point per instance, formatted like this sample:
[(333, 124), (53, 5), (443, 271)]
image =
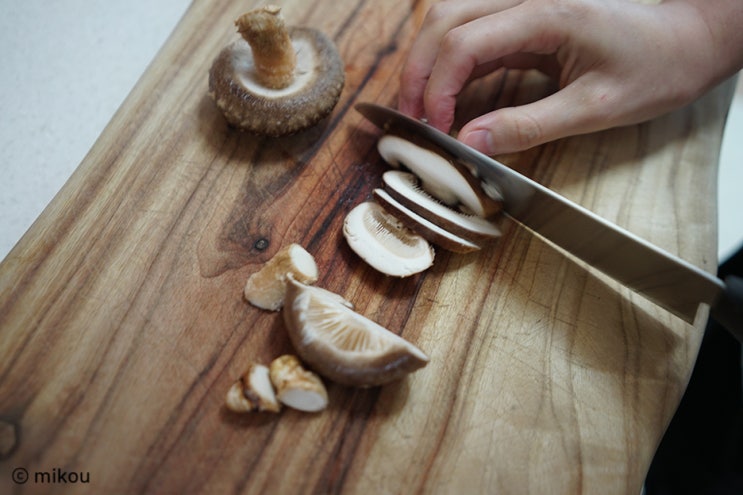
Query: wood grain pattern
[(122, 323)]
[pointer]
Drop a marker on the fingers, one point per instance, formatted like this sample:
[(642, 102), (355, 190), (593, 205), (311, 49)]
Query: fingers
[(442, 18), (516, 34), (612, 61), (486, 40), (576, 109)]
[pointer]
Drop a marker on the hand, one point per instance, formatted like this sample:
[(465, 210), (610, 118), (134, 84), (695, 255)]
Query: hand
[(617, 62)]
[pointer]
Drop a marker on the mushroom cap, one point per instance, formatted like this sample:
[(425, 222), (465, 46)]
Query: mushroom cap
[(319, 80), (384, 242), (441, 175), (405, 189), (427, 229)]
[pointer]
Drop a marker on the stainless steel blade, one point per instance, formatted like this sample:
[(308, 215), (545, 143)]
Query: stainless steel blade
[(660, 276)]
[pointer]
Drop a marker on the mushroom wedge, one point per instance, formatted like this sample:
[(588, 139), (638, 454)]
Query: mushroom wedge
[(404, 188), (341, 344)]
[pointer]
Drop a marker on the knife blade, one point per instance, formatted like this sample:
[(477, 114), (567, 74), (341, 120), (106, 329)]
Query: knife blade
[(663, 278)]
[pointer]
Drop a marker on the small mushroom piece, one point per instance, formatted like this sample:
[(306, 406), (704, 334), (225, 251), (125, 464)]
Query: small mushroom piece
[(492, 190), (266, 287), (443, 178), (420, 225), (343, 345), (384, 242), (297, 387), (276, 80), (404, 187), (253, 392)]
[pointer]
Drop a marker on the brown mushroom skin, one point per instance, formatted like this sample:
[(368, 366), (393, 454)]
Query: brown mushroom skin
[(284, 115), (416, 223)]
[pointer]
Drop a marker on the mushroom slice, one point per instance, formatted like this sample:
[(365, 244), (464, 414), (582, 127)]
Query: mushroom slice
[(420, 225), (253, 392), (297, 387), (404, 188), (384, 242), (342, 345), (276, 80), (443, 178), (266, 287)]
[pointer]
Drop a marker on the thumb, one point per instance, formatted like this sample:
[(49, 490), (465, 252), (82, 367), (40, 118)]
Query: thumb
[(565, 113)]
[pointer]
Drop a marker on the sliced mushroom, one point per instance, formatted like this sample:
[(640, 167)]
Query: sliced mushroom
[(384, 242), (404, 188), (266, 287), (420, 225), (341, 344), (443, 178), (297, 387), (276, 81), (253, 392)]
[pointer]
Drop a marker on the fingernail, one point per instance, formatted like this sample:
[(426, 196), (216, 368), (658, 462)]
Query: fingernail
[(481, 140)]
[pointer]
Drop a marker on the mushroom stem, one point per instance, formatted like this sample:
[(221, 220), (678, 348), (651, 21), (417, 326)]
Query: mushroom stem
[(253, 392), (297, 387), (273, 53), (266, 287)]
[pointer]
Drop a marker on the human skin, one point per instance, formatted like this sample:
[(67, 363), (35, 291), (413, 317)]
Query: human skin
[(617, 62)]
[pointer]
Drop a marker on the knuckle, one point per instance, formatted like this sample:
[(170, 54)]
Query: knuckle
[(452, 42), (440, 12)]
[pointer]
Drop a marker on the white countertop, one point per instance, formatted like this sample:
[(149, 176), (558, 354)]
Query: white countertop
[(69, 64)]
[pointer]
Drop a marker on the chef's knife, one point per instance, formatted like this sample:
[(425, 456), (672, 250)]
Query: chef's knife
[(665, 279)]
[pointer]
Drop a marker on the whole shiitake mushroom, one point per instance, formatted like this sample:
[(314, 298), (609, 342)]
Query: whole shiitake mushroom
[(275, 80)]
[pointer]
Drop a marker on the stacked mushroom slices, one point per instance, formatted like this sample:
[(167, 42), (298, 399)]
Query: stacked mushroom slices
[(436, 199)]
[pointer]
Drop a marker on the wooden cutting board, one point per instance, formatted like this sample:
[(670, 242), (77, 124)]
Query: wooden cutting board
[(122, 322)]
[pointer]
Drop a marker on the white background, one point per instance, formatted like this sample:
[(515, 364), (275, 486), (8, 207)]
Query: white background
[(67, 65)]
